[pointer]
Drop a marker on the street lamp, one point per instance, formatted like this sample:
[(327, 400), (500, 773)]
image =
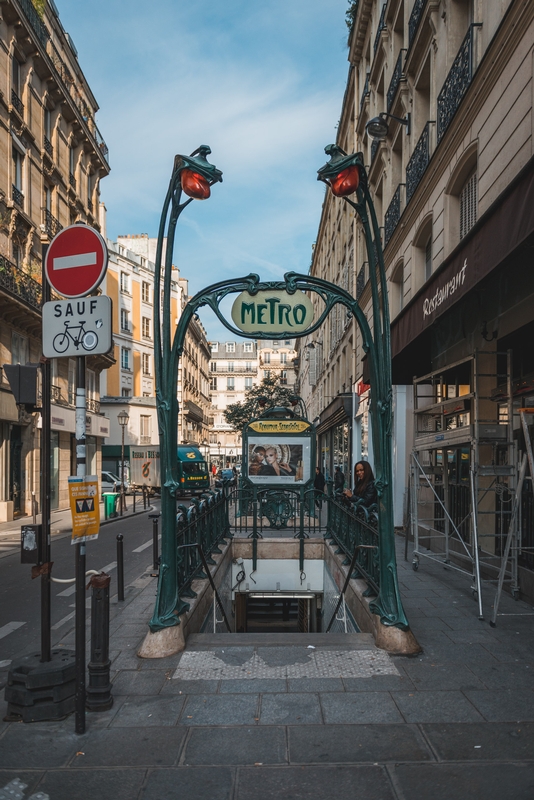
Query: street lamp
[(123, 422), (377, 127), (346, 175)]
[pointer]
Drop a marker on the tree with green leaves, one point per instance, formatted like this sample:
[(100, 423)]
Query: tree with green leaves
[(239, 414)]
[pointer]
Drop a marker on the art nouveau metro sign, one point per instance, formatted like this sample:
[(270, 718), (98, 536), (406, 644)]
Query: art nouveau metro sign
[(273, 312)]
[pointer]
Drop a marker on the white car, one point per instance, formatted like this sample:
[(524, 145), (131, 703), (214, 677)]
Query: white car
[(110, 483)]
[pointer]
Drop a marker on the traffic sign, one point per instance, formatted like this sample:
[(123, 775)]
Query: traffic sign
[(80, 327), (76, 261)]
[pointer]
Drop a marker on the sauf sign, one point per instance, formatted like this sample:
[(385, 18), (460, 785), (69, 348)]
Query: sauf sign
[(272, 312)]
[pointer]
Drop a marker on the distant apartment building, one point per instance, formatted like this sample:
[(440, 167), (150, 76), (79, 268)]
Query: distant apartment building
[(276, 360), (130, 384), (233, 370), (54, 158)]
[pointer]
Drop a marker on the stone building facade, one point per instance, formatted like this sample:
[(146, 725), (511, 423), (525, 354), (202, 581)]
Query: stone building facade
[(52, 160)]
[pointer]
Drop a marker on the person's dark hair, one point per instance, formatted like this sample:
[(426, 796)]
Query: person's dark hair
[(361, 486)]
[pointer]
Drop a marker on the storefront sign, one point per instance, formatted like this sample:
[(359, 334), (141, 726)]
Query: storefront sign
[(430, 304), (273, 312), (279, 426), (83, 496)]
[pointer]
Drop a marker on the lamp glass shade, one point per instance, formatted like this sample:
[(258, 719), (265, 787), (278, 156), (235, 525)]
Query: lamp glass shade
[(194, 185), (346, 182), (377, 128), (123, 418)]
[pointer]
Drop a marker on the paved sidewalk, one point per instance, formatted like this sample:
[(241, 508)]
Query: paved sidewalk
[(235, 719)]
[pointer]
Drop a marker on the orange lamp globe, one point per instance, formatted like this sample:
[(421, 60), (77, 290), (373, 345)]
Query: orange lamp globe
[(194, 185), (346, 182)]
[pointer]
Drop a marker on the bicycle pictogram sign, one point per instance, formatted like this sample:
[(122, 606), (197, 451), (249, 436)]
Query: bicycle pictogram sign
[(77, 327)]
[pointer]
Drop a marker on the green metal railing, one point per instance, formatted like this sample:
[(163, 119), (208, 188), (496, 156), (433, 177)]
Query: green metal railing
[(356, 529)]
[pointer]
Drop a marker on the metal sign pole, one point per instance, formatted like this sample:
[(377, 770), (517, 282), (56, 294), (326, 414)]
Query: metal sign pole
[(80, 552), (44, 544)]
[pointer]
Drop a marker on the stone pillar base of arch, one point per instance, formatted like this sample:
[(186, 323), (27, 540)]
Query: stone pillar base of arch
[(163, 643)]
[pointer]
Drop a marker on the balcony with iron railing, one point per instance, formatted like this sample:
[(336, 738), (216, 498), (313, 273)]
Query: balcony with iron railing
[(35, 21), (365, 93), (72, 180), (375, 144), (381, 27), (50, 223), (48, 147), (418, 162), (17, 103), (19, 284), (415, 19), (361, 280), (93, 405), (457, 82), (392, 215), (395, 80), (17, 195)]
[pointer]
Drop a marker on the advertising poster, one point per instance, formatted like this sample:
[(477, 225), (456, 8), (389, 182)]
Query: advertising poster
[(83, 496), (279, 459)]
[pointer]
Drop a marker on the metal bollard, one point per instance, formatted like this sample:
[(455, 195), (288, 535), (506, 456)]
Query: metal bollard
[(155, 555), (144, 498), (120, 566), (98, 694), (134, 500)]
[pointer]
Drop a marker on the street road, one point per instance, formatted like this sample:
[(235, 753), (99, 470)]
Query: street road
[(20, 596)]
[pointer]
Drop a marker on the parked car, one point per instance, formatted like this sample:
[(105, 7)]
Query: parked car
[(225, 477), (111, 483)]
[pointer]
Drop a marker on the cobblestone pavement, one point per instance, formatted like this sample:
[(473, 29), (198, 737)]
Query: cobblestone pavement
[(456, 721)]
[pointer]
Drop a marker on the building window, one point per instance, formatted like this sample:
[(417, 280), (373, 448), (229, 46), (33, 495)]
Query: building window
[(247, 347), (468, 205), (19, 349), (428, 259), (213, 384), (248, 366), (230, 384), (146, 327), (230, 366), (47, 124), (125, 358), (248, 383), (287, 341), (18, 162), (266, 358), (72, 382), (146, 363), (283, 358), (283, 377), (145, 292), (214, 347), (145, 429), (126, 392), (213, 366), (267, 373), (125, 284), (15, 76), (125, 322), (230, 347)]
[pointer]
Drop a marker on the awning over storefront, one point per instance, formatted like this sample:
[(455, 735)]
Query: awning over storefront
[(504, 226), (339, 410)]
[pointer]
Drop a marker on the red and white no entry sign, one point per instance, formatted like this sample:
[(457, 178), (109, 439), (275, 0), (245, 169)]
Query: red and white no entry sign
[(76, 261)]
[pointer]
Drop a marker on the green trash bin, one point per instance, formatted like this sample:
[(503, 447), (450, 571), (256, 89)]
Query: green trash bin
[(111, 503)]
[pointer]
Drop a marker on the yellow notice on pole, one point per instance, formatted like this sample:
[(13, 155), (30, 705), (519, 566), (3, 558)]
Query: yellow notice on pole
[(83, 495)]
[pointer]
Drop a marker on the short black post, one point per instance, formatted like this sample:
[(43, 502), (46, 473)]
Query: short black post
[(155, 554), (134, 500), (144, 498), (98, 693), (120, 566)]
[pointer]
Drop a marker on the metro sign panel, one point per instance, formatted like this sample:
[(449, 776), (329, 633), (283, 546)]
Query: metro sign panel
[(76, 261)]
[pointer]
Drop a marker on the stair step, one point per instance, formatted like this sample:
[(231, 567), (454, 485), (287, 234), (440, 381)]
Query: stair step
[(349, 641)]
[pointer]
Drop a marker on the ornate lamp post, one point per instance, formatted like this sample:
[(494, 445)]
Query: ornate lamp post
[(346, 175), (192, 176), (123, 419)]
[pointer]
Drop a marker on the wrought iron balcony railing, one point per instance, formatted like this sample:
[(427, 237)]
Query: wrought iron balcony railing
[(17, 196), (395, 80), (415, 19), (418, 162), (47, 144), (365, 93), (381, 27), (17, 103), (72, 180), (35, 21), (15, 281), (392, 215), (51, 224), (94, 405), (375, 144), (456, 83)]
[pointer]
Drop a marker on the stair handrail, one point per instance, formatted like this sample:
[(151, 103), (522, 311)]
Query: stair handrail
[(347, 579)]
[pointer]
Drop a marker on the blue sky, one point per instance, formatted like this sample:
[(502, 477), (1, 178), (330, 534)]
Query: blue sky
[(260, 82)]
